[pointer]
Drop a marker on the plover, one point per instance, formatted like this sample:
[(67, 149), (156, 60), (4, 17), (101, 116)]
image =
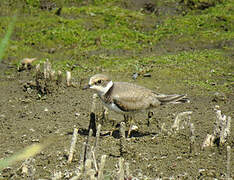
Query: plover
[(128, 98)]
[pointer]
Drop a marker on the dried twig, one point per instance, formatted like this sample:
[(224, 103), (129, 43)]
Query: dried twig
[(221, 130), (88, 148), (177, 125), (52, 74), (101, 167), (97, 136), (68, 79), (59, 77), (122, 130), (209, 141), (94, 160), (127, 169), (94, 103), (82, 158), (222, 126), (73, 144), (38, 67), (92, 122), (77, 177), (89, 172), (122, 138), (192, 138), (47, 69), (28, 168), (105, 113), (228, 163), (57, 175), (121, 169)]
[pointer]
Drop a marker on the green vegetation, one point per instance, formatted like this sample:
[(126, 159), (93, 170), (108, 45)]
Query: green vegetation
[(104, 34), (28, 152), (5, 40)]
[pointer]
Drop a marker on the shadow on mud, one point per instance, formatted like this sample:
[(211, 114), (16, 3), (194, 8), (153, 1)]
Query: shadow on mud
[(116, 133)]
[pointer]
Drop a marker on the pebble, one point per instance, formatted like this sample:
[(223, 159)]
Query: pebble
[(147, 75), (219, 97), (135, 75), (8, 152), (77, 114)]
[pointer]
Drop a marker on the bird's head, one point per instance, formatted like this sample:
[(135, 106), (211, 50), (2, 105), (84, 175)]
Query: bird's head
[(100, 83)]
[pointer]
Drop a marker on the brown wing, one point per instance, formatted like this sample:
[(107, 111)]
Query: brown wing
[(131, 97)]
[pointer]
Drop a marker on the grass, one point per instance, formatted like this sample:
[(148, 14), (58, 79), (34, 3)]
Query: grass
[(71, 40), (26, 153), (6, 39), (30, 150)]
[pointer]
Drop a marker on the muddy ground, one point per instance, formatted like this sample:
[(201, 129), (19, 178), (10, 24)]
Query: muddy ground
[(150, 152)]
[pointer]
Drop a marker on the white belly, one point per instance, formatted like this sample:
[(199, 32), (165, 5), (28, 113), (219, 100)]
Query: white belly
[(113, 107)]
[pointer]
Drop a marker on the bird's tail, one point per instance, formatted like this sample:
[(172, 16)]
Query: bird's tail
[(172, 99)]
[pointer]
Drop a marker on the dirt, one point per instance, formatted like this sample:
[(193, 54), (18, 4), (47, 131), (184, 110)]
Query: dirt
[(27, 118), (150, 152)]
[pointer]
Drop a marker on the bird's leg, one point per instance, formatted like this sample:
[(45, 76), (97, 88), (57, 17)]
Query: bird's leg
[(104, 115), (131, 123), (126, 117), (150, 115)]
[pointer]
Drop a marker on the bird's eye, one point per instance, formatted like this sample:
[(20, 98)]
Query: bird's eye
[(99, 81)]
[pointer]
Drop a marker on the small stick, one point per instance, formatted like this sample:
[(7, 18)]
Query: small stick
[(122, 138), (57, 175), (222, 126), (88, 165), (225, 130), (38, 66), (59, 77), (228, 163), (121, 169), (76, 177), (68, 80), (176, 125), (122, 130), (91, 173), (105, 113), (209, 141), (28, 168), (192, 137), (82, 158), (52, 73), (97, 136), (163, 129), (101, 167), (73, 145), (94, 160), (92, 122), (86, 148), (94, 103), (127, 170), (38, 73), (47, 69), (89, 149)]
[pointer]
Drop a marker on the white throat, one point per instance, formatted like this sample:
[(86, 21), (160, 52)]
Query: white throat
[(106, 89)]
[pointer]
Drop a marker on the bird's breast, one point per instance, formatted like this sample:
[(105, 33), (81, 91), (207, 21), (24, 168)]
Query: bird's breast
[(112, 106)]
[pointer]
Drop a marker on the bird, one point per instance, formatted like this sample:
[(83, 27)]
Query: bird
[(129, 98)]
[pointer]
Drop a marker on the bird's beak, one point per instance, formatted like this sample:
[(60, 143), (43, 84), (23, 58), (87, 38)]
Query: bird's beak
[(86, 87)]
